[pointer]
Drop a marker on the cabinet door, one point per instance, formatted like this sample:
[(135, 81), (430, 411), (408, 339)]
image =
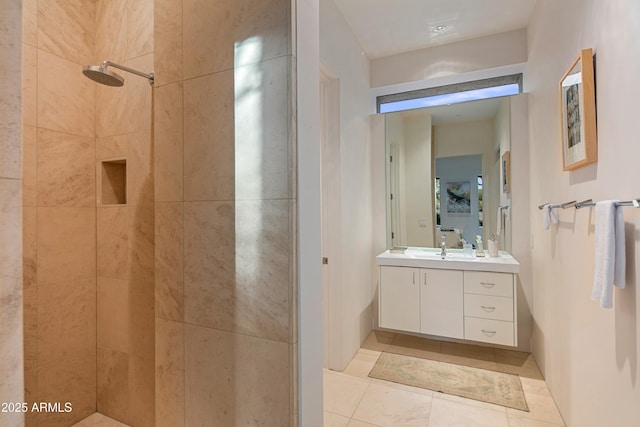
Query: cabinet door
[(442, 303), (400, 298)]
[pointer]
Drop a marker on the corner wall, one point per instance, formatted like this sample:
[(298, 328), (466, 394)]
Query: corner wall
[(125, 328), (586, 353)]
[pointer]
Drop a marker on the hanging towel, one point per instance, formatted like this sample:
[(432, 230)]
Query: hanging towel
[(548, 214), (610, 253), (499, 222)]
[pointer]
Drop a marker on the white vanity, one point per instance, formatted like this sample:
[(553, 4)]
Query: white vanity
[(460, 296)]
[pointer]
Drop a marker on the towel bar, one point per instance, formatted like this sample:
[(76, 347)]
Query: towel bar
[(589, 203), (635, 203), (550, 206)]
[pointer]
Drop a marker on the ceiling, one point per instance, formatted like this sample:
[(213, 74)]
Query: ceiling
[(389, 27)]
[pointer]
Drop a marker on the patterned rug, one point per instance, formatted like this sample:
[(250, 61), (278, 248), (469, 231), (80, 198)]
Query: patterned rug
[(473, 383)]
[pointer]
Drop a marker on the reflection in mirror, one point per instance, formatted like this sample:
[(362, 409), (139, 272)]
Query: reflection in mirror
[(444, 174)]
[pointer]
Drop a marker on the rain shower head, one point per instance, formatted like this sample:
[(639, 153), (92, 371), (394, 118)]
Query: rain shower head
[(100, 74)]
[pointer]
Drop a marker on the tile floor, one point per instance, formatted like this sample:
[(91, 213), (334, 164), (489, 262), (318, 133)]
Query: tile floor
[(352, 399), (98, 420)]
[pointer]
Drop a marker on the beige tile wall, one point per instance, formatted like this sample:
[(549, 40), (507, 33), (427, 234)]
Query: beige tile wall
[(59, 218), (125, 233), (89, 270), (11, 294), (246, 138), (225, 235)]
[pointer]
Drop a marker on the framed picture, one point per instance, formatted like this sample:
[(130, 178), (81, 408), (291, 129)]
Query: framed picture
[(578, 109), (506, 172), (459, 197)]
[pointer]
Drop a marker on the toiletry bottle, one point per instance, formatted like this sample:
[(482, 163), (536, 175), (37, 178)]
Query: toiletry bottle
[(479, 247), (492, 244)]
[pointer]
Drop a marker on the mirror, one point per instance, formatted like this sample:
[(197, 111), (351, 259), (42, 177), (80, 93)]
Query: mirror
[(446, 174)]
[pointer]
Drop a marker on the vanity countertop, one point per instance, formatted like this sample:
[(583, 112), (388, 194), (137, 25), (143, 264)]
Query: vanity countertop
[(455, 260)]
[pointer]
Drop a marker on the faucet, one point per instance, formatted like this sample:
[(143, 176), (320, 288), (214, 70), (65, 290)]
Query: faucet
[(443, 247)]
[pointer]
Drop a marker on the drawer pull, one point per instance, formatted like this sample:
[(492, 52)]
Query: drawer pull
[(487, 285), (488, 333), (487, 308)]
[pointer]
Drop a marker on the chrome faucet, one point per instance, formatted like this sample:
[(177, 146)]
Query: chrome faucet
[(443, 247)]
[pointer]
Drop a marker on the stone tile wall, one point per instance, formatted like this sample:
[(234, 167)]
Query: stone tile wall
[(225, 218)]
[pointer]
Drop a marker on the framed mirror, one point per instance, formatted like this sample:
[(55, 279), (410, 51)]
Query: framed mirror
[(444, 169)]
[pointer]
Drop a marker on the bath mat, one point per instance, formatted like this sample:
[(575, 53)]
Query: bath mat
[(473, 383)]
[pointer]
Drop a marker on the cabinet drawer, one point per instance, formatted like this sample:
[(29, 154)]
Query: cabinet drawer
[(485, 283), (486, 330), (488, 307)]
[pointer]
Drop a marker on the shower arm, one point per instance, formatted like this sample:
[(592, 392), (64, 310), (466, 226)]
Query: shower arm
[(149, 77)]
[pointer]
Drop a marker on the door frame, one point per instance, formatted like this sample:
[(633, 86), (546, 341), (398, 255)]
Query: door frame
[(331, 232)]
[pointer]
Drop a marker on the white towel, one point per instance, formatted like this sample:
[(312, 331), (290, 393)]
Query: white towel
[(610, 252), (548, 214), (499, 222)]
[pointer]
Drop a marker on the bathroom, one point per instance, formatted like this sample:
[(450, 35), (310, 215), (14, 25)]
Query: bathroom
[(586, 353)]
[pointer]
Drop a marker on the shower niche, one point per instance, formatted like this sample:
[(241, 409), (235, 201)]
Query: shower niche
[(113, 177)]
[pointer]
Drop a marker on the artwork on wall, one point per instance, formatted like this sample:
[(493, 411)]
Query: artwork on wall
[(459, 197), (506, 172), (578, 108)]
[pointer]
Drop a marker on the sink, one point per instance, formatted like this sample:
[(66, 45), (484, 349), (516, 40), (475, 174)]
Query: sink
[(435, 252), (454, 260)]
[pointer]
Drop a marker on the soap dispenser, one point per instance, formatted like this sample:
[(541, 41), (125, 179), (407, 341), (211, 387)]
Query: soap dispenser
[(479, 247)]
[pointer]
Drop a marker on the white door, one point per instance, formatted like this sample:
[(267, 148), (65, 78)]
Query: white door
[(394, 194)]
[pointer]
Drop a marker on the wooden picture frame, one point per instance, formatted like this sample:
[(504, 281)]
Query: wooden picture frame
[(578, 113), (506, 172)]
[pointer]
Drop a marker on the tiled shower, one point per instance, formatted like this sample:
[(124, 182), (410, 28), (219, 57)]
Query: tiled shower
[(159, 222), (88, 258)]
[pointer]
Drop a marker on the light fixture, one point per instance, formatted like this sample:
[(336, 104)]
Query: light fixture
[(439, 29)]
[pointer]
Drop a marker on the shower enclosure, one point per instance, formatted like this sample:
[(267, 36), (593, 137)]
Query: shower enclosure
[(159, 221), (88, 208)]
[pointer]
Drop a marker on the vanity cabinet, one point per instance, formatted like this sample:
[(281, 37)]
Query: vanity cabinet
[(427, 301), (471, 305)]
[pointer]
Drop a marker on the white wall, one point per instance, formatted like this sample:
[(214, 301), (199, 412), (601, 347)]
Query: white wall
[(455, 58), (589, 355), (306, 48), (342, 55), (517, 220)]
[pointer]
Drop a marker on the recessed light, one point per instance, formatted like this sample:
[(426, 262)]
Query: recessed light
[(438, 29)]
